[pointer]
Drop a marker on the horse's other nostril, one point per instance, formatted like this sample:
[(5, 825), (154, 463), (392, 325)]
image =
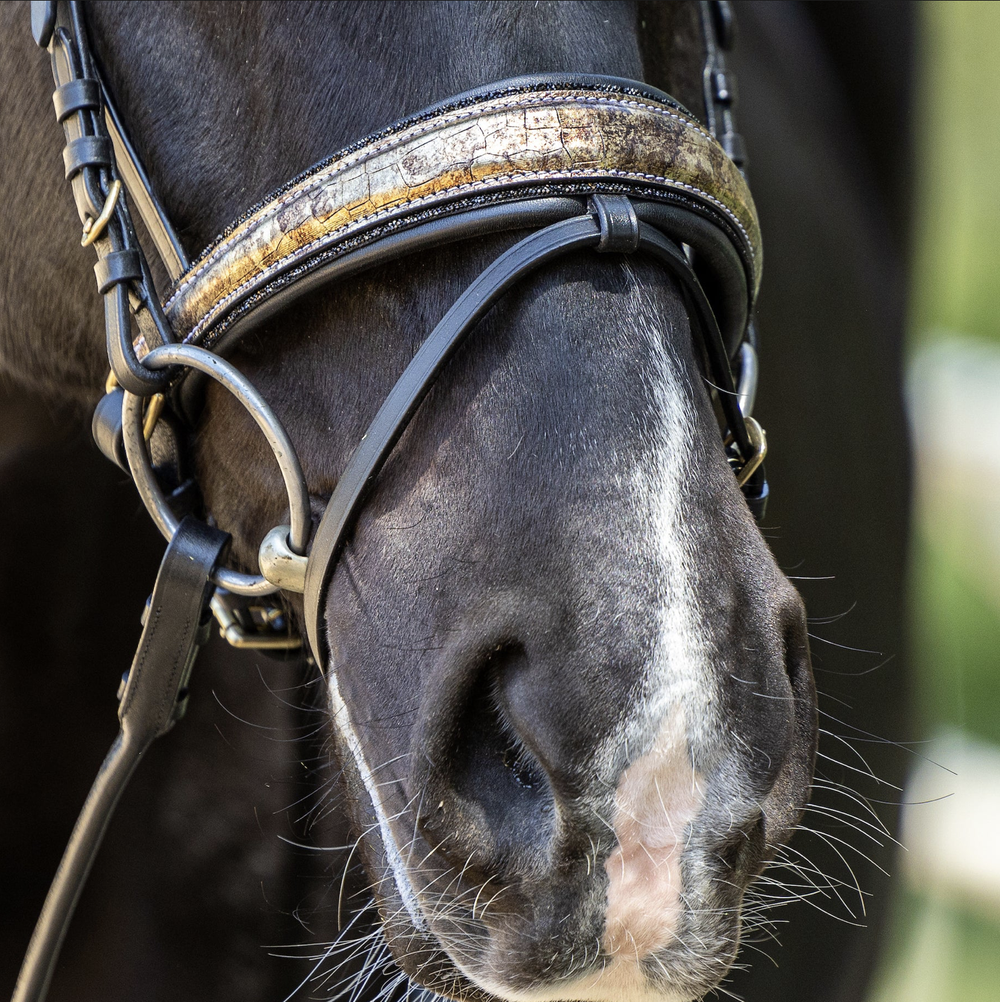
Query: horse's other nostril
[(744, 851), (494, 795), (796, 644)]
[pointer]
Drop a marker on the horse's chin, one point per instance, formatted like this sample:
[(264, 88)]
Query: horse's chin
[(535, 952), (489, 964)]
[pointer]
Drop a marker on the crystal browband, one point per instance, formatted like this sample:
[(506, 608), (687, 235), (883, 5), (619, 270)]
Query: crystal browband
[(521, 140)]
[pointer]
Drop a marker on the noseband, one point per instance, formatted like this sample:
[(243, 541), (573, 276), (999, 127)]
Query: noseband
[(581, 161)]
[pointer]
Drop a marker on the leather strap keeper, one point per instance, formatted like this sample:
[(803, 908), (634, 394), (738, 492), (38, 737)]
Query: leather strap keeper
[(87, 151), (116, 267), (76, 95)]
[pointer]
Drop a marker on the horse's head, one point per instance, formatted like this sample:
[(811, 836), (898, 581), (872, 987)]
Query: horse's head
[(570, 687)]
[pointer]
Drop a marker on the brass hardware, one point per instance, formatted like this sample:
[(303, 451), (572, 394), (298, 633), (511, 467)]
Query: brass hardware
[(93, 228), (759, 442), (154, 406), (236, 636), (153, 411)]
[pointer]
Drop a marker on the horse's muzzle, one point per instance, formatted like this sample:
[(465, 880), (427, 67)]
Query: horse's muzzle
[(585, 829)]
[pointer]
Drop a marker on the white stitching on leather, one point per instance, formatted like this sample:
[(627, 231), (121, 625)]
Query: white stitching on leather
[(543, 99), (261, 277)]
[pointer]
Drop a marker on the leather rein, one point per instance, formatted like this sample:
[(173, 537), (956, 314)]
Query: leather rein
[(581, 161)]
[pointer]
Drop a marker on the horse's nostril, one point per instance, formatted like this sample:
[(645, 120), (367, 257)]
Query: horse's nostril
[(796, 643), (743, 851), (522, 765), (486, 739), (496, 784)]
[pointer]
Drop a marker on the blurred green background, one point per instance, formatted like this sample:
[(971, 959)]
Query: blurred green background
[(946, 941)]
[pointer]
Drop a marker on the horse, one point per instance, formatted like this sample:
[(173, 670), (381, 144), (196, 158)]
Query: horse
[(560, 636)]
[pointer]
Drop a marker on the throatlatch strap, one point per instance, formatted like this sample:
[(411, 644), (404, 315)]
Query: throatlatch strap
[(154, 699)]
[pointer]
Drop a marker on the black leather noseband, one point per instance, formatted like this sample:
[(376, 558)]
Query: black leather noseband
[(612, 227)]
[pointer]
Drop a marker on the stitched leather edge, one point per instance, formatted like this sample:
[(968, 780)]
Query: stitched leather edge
[(502, 143)]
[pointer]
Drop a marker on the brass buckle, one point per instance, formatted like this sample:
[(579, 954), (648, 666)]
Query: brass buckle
[(93, 228), (263, 636), (759, 442)]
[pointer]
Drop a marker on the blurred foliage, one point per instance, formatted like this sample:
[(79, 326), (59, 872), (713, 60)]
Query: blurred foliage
[(946, 950), (942, 953), (955, 636), (956, 625), (957, 219)]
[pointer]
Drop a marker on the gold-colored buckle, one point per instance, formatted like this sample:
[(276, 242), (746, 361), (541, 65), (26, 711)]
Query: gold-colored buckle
[(759, 442), (233, 632), (93, 228)]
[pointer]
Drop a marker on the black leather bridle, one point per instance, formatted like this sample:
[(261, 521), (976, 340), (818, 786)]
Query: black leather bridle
[(705, 237)]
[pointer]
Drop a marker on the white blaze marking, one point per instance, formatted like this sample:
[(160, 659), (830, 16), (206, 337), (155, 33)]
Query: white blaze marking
[(658, 794), (342, 719)]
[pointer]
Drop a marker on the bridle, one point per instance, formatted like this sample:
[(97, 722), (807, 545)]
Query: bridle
[(581, 161)]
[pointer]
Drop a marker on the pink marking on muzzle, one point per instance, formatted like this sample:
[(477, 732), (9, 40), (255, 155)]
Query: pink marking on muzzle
[(657, 798)]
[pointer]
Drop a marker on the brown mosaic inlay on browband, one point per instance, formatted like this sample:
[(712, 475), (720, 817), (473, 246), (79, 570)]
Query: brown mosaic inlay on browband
[(510, 141)]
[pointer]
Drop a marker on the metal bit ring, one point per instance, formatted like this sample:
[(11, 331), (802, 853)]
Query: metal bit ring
[(241, 388)]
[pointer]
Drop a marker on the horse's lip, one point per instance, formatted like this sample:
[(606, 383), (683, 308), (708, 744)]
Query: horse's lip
[(450, 967), (486, 963), (621, 977), (607, 979)]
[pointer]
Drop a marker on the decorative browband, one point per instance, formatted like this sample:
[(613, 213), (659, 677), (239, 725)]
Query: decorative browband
[(524, 140)]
